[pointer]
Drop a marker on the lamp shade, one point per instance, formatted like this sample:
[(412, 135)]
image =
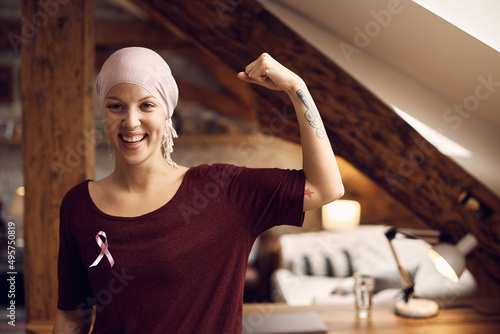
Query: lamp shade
[(340, 215), (449, 260)]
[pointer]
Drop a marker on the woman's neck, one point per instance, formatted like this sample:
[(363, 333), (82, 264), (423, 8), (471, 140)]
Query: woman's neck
[(141, 177)]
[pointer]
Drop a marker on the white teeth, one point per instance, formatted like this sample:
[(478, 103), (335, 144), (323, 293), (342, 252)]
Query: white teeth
[(133, 139)]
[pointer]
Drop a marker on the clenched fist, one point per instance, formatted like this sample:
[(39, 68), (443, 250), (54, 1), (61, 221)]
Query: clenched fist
[(269, 73)]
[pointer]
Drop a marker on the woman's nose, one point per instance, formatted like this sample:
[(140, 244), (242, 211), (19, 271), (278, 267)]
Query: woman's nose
[(131, 119)]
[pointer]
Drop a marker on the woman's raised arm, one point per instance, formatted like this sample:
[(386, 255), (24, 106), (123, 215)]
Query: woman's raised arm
[(323, 180)]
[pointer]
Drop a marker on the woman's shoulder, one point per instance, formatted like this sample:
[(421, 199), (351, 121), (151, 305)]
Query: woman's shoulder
[(75, 196), (77, 192), (216, 170)]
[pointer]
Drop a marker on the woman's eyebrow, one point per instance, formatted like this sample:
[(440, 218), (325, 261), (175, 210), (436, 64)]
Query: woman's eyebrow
[(147, 97), (142, 99)]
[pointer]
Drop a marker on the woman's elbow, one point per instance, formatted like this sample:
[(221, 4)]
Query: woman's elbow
[(322, 195), (333, 193), (337, 192)]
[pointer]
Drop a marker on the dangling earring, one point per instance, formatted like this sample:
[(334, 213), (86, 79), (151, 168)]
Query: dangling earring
[(167, 142), (109, 151)]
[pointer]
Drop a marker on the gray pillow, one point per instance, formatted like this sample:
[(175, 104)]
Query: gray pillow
[(336, 263)]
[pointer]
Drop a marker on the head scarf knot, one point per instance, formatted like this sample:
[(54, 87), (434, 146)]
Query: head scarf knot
[(147, 69)]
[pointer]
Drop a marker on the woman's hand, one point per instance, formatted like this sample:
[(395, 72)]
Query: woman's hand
[(267, 72)]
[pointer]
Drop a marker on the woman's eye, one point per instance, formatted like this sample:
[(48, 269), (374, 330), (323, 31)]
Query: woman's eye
[(147, 105), (114, 106)]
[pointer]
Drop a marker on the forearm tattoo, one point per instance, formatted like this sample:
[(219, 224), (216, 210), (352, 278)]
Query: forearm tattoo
[(312, 115)]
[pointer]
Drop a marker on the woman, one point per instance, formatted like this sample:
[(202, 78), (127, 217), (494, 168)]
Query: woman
[(160, 248)]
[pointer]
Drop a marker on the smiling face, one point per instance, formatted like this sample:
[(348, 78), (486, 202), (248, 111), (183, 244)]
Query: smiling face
[(134, 123)]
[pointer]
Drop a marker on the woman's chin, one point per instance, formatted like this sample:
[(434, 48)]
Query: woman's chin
[(137, 157)]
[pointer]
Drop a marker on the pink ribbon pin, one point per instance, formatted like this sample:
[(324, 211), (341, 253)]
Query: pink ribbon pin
[(104, 250)]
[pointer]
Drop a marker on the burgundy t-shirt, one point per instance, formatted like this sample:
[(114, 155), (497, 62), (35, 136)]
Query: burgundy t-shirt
[(180, 268)]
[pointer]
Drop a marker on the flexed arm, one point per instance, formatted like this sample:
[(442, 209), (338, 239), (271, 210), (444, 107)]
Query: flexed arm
[(323, 180)]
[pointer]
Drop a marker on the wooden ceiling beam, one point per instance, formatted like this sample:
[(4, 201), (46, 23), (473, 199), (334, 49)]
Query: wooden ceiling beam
[(116, 34), (110, 35), (215, 100), (131, 8), (362, 129)]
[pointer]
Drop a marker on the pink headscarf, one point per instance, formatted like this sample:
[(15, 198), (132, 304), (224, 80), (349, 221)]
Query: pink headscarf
[(147, 69)]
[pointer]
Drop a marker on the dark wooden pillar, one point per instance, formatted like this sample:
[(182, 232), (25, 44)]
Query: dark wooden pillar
[(57, 48)]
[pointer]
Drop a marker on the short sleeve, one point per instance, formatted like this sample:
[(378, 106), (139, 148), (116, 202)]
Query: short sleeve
[(74, 287), (268, 197)]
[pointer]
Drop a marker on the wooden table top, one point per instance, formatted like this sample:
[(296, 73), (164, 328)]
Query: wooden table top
[(341, 319)]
